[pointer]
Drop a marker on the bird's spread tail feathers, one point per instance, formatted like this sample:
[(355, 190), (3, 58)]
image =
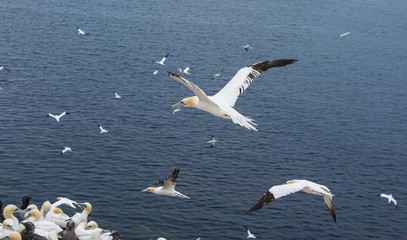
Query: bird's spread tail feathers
[(243, 121)]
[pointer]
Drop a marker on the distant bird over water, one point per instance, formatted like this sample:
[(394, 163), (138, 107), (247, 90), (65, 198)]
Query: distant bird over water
[(167, 187), (175, 110), (155, 72), (65, 150), (212, 141), (216, 75), (249, 234), (80, 31), (247, 47), (102, 130), (390, 198), (57, 117), (116, 95), (185, 71), (293, 186), (162, 60), (222, 103), (344, 34), (4, 68)]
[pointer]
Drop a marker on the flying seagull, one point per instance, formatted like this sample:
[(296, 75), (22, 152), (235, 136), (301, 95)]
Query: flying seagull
[(102, 130), (390, 198), (162, 60), (249, 234), (80, 31), (57, 117), (65, 150), (247, 47), (212, 141), (185, 71), (116, 95), (293, 186), (344, 34), (167, 187), (221, 104), (216, 75), (4, 68)]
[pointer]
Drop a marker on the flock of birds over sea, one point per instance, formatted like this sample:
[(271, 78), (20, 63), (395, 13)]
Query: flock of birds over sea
[(50, 222)]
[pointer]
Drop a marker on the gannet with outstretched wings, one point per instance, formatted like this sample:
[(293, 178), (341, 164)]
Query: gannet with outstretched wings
[(167, 187), (221, 104), (293, 186)]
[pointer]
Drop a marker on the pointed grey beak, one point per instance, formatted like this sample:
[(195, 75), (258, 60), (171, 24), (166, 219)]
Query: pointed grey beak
[(178, 105), (145, 190), (19, 211), (81, 205)]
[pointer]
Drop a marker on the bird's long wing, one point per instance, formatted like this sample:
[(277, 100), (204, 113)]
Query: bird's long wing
[(276, 192), (330, 205), (170, 182), (194, 88), (244, 77)]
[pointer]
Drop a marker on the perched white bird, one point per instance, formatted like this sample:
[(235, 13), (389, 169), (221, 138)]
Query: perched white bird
[(80, 31), (221, 104), (13, 236), (57, 117), (6, 227), (155, 72), (116, 95), (185, 71), (162, 60), (390, 198), (249, 234), (65, 150), (102, 130), (167, 187), (4, 68), (8, 212), (42, 227), (175, 110), (293, 186), (212, 141), (57, 216), (83, 216), (247, 47), (216, 75), (344, 34)]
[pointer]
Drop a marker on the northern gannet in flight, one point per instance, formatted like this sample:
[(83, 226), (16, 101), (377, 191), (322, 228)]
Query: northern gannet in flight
[(344, 34), (390, 198), (185, 71), (247, 47), (65, 201), (65, 150), (80, 31), (249, 234), (216, 75), (57, 117), (167, 187), (4, 68), (221, 104), (116, 95), (155, 72), (102, 130), (212, 141), (162, 60), (293, 186)]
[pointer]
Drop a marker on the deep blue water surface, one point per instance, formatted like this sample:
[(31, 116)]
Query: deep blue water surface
[(338, 116)]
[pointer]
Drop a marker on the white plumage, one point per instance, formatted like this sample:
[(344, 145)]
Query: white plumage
[(389, 197)]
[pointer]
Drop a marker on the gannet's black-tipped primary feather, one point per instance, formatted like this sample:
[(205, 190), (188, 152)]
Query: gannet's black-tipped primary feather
[(264, 200)]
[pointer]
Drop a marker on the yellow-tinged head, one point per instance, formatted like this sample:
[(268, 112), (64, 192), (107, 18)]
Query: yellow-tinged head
[(35, 213), (8, 224), (58, 211), (8, 211), (149, 189), (14, 236), (46, 206), (186, 102), (88, 207), (92, 225)]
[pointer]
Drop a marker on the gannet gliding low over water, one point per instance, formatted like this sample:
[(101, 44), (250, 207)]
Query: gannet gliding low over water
[(155, 72), (390, 198), (65, 150), (212, 141), (185, 71), (167, 187), (221, 104), (247, 47), (80, 31), (4, 68), (162, 60), (57, 117), (216, 75), (249, 234), (102, 130), (116, 95), (344, 34), (293, 186)]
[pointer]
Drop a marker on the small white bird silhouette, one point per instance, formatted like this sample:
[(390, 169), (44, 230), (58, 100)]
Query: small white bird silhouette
[(162, 60), (116, 95), (57, 117), (344, 34), (185, 71), (216, 75), (80, 31), (102, 130), (389, 197), (65, 150), (155, 72), (249, 234), (212, 141), (247, 47), (4, 68)]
